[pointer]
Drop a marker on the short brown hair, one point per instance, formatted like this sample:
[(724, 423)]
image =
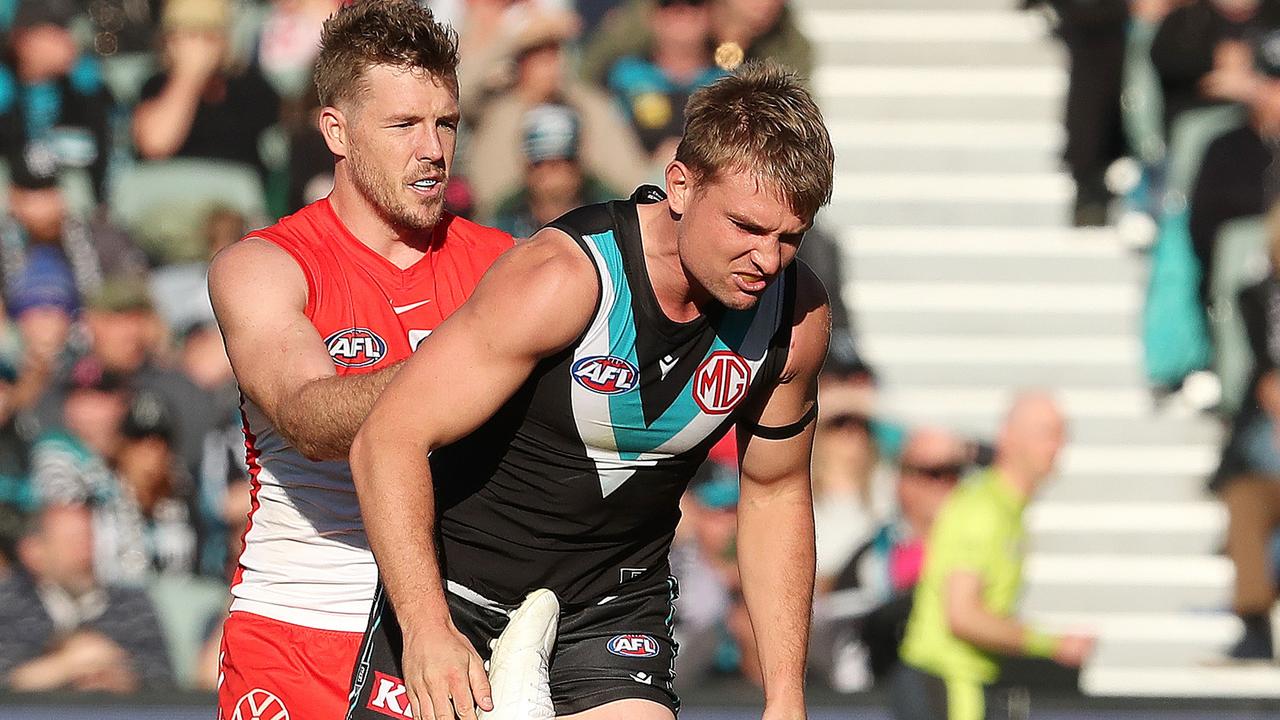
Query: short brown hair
[(761, 119), (364, 33)]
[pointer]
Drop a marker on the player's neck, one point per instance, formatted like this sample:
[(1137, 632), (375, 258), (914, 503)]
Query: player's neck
[(677, 295), (400, 247)]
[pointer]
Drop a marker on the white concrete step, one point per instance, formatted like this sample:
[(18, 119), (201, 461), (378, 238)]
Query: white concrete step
[(1120, 582), (980, 271), (907, 322), (1143, 527), (924, 26), (1020, 213), (1009, 297), (851, 105), (940, 84), (936, 54), (952, 187), (1145, 679), (1151, 487), (986, 242), (1206, 628), (988, 350)]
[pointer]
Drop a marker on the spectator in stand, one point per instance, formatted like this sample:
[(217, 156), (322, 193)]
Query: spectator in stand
[(44, 302), (223, 482), (155, 490), (1199, 38), (962, 618), (652, 89), (885, 570), (1248, 476), (1093, 32), (67, 630), (849, 501), (50, 94), (741, 30), (181, 290), (555, 181), (609, 149), (199, 106), (290, 41), (38, 222), (493, 34), (1236, 177), (126, 338)]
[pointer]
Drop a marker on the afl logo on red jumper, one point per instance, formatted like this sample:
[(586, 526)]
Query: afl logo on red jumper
[(356, 347), (605, 374), (721, 382), (640, 646)]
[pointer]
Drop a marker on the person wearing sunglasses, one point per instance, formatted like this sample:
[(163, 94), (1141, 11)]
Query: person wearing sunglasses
[(962, 619)]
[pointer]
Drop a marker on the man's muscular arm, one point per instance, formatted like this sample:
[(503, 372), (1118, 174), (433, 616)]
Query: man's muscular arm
[(775, 510), (534, 301), (259, 293)]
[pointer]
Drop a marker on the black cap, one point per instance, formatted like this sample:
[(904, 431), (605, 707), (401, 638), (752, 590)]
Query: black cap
[(148, 417), (31, 13)]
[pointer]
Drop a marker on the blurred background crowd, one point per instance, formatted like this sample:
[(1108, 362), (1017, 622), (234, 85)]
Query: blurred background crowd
[(141, 136)]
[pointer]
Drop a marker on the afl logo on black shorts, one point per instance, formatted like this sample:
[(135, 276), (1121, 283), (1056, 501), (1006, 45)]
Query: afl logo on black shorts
[(633, 645), (355, 347), (605, 374)]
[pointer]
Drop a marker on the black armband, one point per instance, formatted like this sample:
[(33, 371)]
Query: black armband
[(786, 431)]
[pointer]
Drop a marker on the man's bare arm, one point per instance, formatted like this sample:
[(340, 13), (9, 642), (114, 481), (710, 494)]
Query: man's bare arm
[(259, 293), (775, 510), (535, 301), (969, 619)]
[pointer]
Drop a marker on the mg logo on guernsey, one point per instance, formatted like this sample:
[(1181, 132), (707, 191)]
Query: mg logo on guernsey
[(637, 646), (390, 697), (356, 347), (721, 382), (605, 374)]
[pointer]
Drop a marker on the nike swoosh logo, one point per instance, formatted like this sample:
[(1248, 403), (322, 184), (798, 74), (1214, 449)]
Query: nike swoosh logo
[(402, 309), (665, 365)]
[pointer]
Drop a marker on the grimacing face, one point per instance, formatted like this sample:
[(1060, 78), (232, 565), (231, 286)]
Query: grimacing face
[(401, 137), (735, 235)]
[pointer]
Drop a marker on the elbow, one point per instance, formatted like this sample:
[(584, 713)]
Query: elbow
[(149, 140)]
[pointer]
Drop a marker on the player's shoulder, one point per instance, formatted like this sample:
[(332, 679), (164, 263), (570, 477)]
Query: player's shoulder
[(474, 235)]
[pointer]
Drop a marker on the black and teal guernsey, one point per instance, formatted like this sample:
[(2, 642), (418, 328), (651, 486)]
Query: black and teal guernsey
[(575, 483)]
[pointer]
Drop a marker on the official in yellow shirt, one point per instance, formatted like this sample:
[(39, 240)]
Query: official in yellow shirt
[(962, 621)]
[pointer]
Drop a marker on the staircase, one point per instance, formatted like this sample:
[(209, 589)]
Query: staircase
[(966, 284)]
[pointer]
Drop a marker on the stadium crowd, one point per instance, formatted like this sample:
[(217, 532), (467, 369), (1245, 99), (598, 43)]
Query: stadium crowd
[(140, 137)]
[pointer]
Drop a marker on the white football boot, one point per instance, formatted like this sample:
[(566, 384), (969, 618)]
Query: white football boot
[(519, 669)]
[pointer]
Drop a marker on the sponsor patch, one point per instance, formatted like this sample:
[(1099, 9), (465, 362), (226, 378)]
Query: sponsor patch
[(389, 697), (721, 382), (606, 374), (258, 704), (633, 645), (356, 347)]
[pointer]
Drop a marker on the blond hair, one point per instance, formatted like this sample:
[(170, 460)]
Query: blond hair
[(399, 33), (761, 119)]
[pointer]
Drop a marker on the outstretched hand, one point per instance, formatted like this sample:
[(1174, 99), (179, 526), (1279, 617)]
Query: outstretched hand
[(444, 675)]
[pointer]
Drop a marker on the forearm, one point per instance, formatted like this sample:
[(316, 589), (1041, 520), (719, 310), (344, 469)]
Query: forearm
[(996, 634), (47, 672), (394, 485), (776, 561), (320, 420), (161, 125)]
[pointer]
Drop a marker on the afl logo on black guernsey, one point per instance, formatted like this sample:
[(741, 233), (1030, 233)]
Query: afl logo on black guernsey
[(356, 347), (605, 374)]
